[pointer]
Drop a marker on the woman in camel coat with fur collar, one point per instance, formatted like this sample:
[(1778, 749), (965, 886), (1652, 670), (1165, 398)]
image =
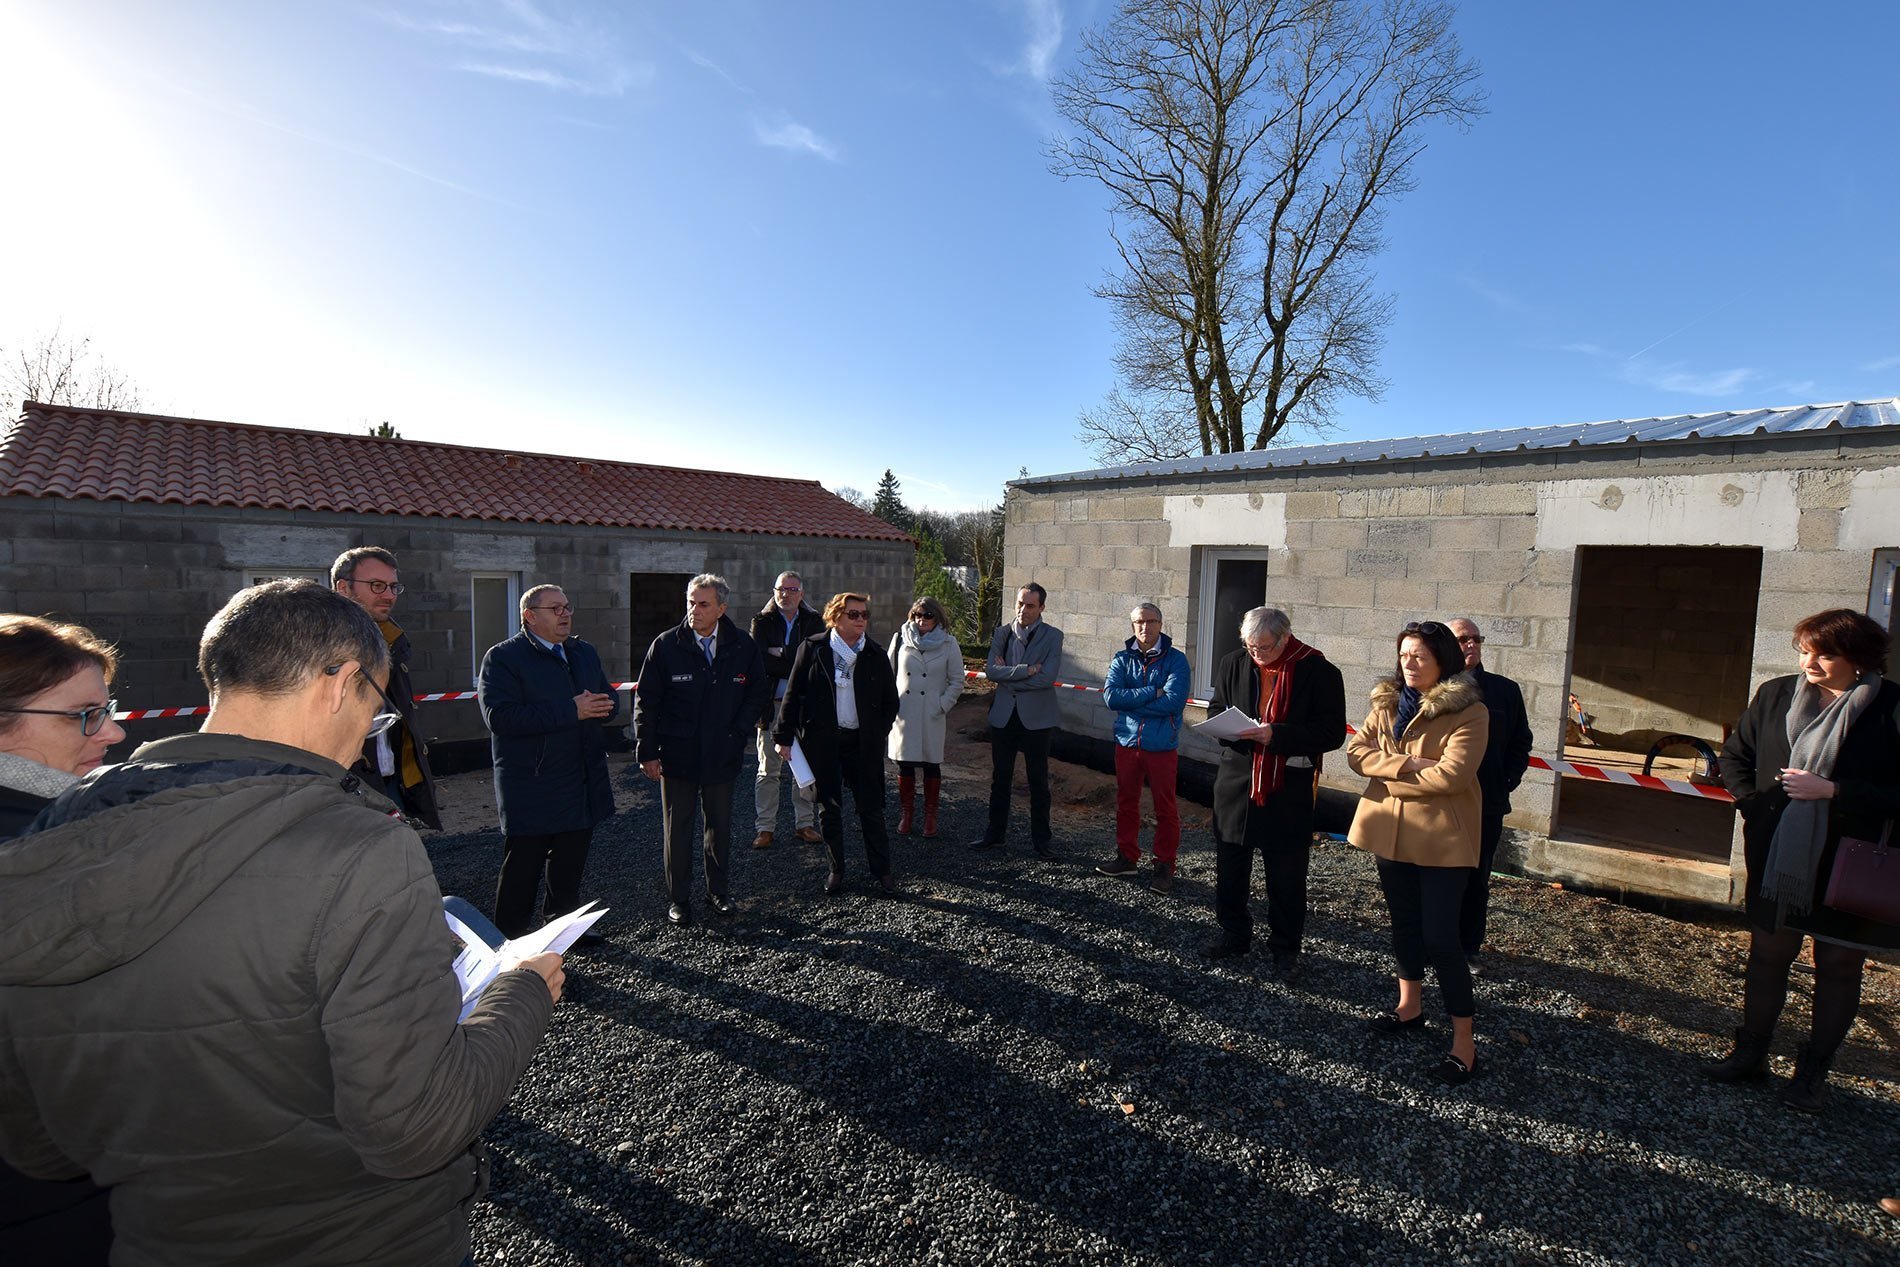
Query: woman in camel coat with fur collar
[(1420, 749)]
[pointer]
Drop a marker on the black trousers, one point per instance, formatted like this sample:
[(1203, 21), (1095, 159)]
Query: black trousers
[(861, 770), (1424, 903), (1281, 832), (679, 799), (1477, 902), (1006, 741), (563, 856)]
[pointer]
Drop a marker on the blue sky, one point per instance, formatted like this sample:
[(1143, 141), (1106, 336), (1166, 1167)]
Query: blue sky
[(819, 239)]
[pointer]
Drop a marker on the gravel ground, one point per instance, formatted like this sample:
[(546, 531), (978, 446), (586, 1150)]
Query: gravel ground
[(1024, 1062)]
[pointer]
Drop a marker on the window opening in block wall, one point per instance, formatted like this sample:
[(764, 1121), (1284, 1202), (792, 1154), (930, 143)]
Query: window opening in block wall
[(1880, 600), (494, 600), (1662, 644), (1232, 582)]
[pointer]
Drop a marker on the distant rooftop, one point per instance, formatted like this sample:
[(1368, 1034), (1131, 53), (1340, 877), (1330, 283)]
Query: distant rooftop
[(1733, 425), (109, 455)]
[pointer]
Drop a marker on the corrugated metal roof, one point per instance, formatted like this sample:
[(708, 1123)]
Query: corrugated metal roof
[(1732, 425), (105, 455)]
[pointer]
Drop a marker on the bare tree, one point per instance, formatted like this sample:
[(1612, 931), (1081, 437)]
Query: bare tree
[(1250, 148), (62, 371)]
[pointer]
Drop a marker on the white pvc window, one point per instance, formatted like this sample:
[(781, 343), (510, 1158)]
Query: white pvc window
[(494, 600), (1232, 583)]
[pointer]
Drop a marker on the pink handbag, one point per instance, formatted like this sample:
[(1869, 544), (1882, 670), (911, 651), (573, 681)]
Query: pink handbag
[(1866, 878)]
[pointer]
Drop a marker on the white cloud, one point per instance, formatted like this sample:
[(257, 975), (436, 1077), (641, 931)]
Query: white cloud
[(576, 57), (1044, 18), (706, 63), (1675, 377), (796, 137), (541, 77), (1884, 363)]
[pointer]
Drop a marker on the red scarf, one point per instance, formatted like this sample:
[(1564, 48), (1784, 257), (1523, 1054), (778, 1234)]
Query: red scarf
[(1269, 768)]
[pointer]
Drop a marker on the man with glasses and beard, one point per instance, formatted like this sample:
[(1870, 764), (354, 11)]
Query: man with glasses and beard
[(1507, 755), (399, 759), (226, 989), (547, 703)]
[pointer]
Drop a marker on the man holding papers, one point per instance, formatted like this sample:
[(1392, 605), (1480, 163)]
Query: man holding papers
[(1263, 791), (225, 981)]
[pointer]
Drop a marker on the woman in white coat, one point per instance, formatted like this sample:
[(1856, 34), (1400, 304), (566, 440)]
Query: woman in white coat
[(929, 666)]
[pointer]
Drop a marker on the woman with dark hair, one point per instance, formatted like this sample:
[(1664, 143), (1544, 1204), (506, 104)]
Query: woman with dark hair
[(1420, 749), (839, 705), (55, 725), (929, 668), (1814, 759), (55, 713)]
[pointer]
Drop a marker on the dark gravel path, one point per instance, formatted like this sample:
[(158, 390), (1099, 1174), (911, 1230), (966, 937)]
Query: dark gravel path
[(1024, 1062)]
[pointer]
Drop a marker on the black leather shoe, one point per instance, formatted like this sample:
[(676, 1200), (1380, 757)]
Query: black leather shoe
[(887, 885), (677, 915), (721, 904), (984, 842), (834, 883), (1287, 968), (1046, 851), (587, 941), (1224, 949), (1389, 1024), (1452, 1071)]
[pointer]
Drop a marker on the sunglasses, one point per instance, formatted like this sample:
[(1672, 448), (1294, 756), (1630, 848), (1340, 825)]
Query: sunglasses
[(90, 719), (856, 613), (1429, 628)]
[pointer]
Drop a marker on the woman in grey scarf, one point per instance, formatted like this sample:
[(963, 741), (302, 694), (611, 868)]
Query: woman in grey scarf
[(1816, 757), (55, 717), (929, 668)]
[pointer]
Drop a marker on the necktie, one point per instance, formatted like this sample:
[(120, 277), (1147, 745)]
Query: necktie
[(706, 645)]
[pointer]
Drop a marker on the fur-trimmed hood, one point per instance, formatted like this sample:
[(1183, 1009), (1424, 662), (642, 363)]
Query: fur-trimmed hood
[(1451, 695)]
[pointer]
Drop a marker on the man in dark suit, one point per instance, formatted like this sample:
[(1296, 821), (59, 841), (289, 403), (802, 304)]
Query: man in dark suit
[(1264, 788), (785, 621), (398, 758), (1507, 754), (702, 687), (1025, 661), (839, 706), (546, 702)]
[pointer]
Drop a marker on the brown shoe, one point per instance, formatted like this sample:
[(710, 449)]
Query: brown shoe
[(1162, 879), (763, 841), (1891, 1205), (810, 836)]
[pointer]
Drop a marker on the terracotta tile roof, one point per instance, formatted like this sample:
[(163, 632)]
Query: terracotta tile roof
[(105, 455)]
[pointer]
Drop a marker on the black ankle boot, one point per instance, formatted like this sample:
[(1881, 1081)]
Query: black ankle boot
[(1748, 1062), (1807, 1090)]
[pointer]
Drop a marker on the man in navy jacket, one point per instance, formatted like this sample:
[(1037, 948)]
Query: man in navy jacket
[(702, 688), (546, 703), (1507, 754)]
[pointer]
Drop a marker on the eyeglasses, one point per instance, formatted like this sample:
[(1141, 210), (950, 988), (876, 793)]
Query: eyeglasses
[(1470, 640), (90, 720), (377, 587), (1429, 628), (381, 722), (790, 589), (559, 609), (856, 613)]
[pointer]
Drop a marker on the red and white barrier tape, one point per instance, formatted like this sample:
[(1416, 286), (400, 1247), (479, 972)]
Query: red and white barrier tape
[(1654, 783)]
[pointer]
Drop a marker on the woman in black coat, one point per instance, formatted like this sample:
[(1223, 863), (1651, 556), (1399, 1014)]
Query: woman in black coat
[(839, 705), (1846, 782)]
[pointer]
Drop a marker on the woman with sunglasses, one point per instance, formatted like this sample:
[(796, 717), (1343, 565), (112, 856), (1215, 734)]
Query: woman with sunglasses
[(55, 716), (839, 705), (929, 668), (55, 725), (1420, 749)]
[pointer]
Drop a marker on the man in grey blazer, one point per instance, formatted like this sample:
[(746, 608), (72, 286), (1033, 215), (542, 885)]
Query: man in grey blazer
[(1025, 660)]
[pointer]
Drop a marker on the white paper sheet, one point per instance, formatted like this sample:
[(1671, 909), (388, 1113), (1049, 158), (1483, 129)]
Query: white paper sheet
[(1226, 726), (801, 768), (479, 963)]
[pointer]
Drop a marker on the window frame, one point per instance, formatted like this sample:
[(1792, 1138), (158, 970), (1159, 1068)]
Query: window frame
[(477, 644), (1207, 577)]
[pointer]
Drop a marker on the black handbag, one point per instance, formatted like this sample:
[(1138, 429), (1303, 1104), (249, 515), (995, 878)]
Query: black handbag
[(1866, 878)]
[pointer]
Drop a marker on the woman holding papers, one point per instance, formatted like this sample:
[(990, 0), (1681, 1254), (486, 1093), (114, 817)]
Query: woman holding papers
[(929, 668), (839, 705), (1420, 749)]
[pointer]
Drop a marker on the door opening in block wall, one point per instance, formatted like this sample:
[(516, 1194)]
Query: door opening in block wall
[(1232, 581), (1662, 649), (656, 601), (1880, 600)]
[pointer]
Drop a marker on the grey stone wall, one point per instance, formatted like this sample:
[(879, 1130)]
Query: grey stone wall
[(1357, 551), (148, 577)]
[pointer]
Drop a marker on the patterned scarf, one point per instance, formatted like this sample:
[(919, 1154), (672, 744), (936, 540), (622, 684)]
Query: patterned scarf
[(1269, 768)]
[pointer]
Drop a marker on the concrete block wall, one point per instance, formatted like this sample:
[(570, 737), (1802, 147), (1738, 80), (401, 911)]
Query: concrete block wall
[(1356, 552), (149, 577)]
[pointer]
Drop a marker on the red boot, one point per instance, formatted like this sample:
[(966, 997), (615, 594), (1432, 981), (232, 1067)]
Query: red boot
[(932, 787), (907, 801)]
